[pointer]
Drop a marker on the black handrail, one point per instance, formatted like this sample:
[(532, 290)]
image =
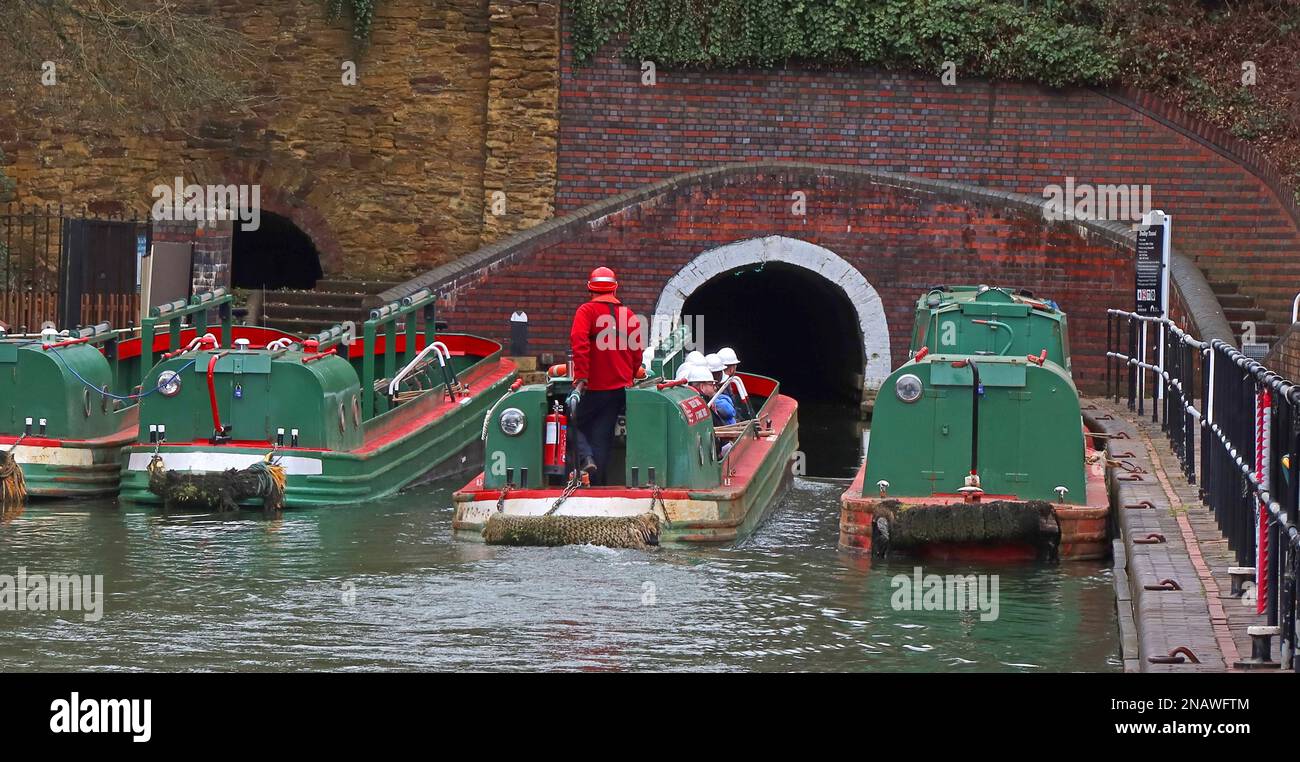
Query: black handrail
[(1248, 418)]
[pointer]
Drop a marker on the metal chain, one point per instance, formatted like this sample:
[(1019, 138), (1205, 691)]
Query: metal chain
[(657, 496), (501, 501), (569, 489)]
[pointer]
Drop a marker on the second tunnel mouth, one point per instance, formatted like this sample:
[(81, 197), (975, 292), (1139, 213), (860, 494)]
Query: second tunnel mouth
[(798, 327), (278, 254)]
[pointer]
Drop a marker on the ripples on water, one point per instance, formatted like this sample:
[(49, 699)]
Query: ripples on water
[(384, 586)]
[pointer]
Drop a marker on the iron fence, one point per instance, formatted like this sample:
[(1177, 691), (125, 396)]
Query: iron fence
[(1248, 421), (66, 268)]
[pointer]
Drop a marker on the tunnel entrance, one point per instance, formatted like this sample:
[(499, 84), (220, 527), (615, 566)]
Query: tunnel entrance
[(276, 255), (793, 324)]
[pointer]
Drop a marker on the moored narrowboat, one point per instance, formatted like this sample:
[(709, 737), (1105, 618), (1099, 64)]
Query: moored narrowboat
[(328, 420), (978, 449), (682, 479), (68, 399)]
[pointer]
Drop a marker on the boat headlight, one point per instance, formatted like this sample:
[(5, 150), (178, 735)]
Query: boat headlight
[(513, 421), (908, 388), (169, 383)]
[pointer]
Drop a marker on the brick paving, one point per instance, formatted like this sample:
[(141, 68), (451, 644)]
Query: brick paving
[(1201, 616)]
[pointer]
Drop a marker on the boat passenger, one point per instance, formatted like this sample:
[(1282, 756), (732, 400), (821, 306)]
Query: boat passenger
[(607, 343), (701, 380), (736, 389), (693, 358), (715, 366)]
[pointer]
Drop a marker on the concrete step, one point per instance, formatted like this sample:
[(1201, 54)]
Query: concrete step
[(316, 298), (1236, 300), (1222, 287), (344, 285), (299, 326), (329, 313), (1238, 314)]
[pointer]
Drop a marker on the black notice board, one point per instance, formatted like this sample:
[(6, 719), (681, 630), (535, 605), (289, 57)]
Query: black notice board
[(1149, 270)]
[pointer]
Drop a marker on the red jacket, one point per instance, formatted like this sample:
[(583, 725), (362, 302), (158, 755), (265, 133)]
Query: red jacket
[(607, 344)]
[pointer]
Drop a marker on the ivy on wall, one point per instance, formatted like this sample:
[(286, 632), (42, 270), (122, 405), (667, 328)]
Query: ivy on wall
[(1055, 42), (361, 12)]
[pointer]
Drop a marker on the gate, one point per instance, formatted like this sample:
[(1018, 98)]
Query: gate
[(69, 270)]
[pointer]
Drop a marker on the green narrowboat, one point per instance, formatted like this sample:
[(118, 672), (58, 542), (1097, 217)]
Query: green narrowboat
[(683, 479), (68, 403), (978, 449), (328, 420)]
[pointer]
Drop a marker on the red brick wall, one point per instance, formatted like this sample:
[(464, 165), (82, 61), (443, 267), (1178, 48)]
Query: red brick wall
[(902, 239), (616, 134)]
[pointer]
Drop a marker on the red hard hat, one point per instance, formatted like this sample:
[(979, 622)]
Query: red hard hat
[(602, 280)]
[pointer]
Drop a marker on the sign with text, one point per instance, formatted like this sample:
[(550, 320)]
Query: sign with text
[(695, 409), (1151, 270)]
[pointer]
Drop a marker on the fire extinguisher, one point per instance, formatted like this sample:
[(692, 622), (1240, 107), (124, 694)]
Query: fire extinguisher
[(557, 441)]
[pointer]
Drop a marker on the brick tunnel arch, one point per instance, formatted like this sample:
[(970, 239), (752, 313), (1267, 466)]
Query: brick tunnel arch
[(732, 287), (899, 233), (278, 254)]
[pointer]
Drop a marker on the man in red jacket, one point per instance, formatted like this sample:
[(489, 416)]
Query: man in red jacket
[(607, 342)]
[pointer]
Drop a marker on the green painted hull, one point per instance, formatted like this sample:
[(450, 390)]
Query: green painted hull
[(450, 445), (91, 472), (709, 515), (745, 512)]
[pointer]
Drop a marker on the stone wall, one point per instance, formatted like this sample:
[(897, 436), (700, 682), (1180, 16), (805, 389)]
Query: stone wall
[(389, 176)]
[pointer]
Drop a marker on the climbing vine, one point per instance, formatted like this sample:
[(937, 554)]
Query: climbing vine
[(362, 13), (1049, 41)]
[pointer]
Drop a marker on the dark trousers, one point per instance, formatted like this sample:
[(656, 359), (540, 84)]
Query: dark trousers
[(598, 412)]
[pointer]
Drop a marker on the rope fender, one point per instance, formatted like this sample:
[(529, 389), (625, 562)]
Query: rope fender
[(13, 485), (221, 491), (639, 532)]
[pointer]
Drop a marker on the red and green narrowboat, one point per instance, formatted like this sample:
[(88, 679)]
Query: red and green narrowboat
[(692, 482), (68, 401), (978, 450), (328, 420)]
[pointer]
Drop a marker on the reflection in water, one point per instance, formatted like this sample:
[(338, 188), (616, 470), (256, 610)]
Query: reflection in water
[(832, 437), (384, 586)]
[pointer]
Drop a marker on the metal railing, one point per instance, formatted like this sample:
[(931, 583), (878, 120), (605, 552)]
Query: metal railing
[(171, 317), (1248, 421), (67, 267)]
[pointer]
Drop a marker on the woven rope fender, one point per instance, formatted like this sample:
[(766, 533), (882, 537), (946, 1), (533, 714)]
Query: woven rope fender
[(13, 486), (221, 491), (549, 531), (997, 521)]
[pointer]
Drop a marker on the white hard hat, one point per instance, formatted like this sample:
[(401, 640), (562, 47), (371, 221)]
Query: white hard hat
[(697, 373), (728, 356), (682, 370), (695, 358), (714, 363)]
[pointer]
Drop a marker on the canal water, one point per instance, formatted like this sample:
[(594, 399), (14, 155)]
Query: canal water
[(384, 586)]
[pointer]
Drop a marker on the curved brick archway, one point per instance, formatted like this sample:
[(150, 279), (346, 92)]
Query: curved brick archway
[(902, 233), (872, 328)]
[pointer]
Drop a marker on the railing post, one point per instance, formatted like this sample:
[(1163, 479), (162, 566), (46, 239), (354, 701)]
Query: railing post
[(1132, 361), (1110, 348), (368, 369), (411, 333), (1141, 372)]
